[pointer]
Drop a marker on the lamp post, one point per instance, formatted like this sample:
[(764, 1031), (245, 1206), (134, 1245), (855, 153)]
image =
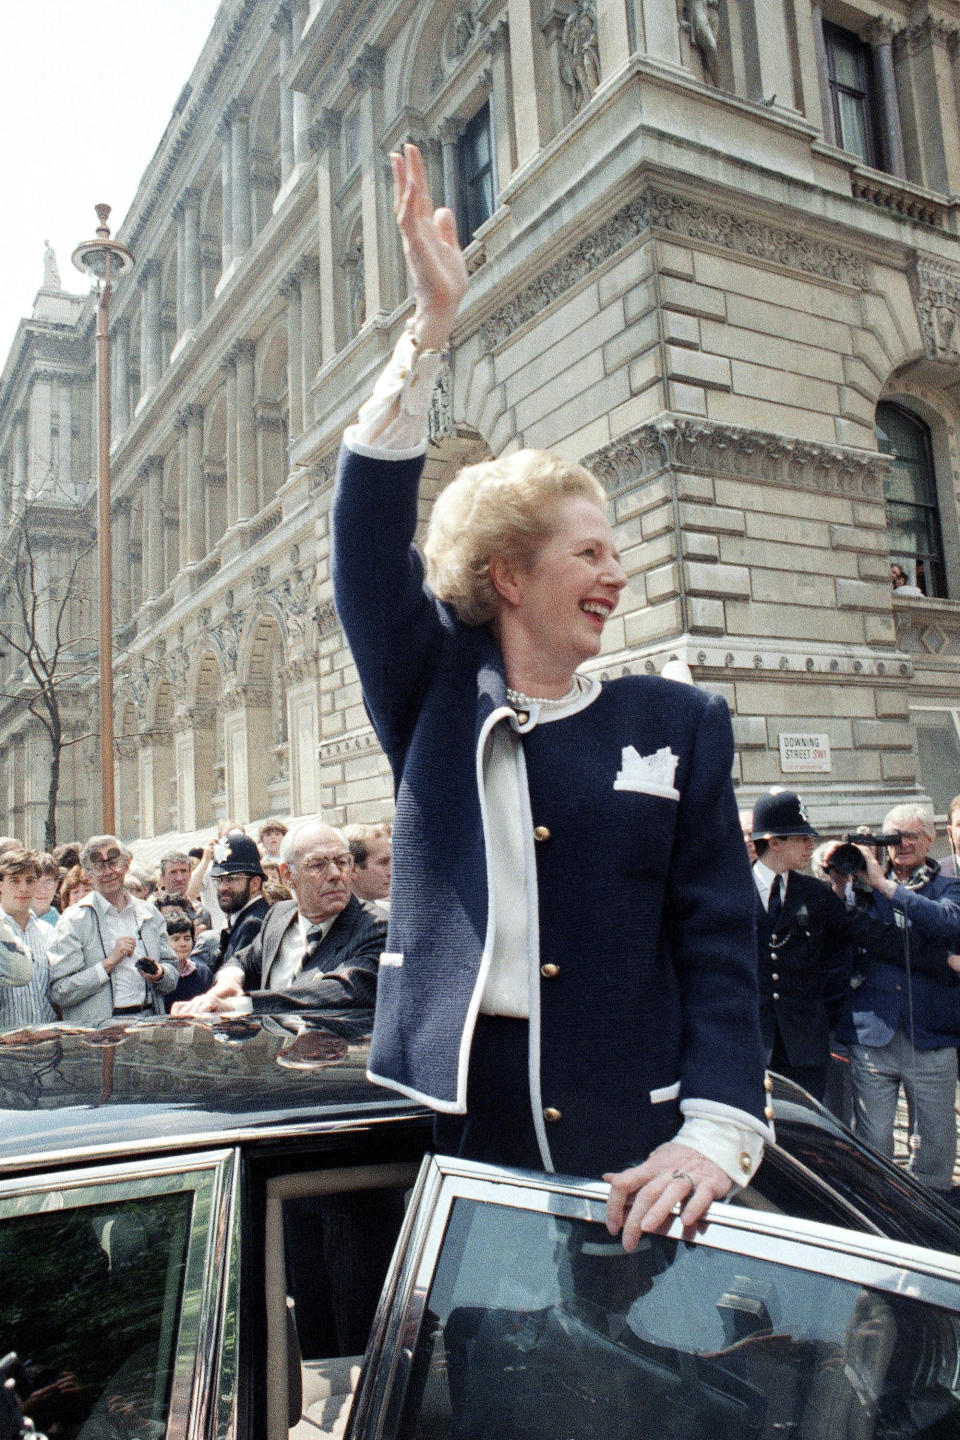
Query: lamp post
[(104, 259)]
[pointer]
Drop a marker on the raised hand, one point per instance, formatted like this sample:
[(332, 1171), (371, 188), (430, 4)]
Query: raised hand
[(431, 248)]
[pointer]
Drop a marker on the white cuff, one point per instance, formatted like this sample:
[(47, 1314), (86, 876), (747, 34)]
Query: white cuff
[(736, 1150), (393, 422)]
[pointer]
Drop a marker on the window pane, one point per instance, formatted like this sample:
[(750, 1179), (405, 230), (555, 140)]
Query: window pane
[(90, 1301), (476, 174), (853, 125), (911, 491), (938, 756), (564, 1334)]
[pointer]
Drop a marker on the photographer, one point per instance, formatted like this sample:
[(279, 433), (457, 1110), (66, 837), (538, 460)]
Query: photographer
[(901, 1017), (109, 954)]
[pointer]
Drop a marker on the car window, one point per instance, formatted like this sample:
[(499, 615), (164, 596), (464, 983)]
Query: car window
[(101, 1291), (537, 1324)]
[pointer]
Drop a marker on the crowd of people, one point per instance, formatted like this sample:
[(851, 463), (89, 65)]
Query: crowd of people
[(87, 935), (858, 970)]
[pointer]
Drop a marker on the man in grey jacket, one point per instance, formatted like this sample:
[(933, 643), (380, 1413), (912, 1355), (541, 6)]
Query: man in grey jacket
[(110, 954)]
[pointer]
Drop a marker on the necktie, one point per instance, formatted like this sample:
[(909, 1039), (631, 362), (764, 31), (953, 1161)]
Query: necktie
[(776, 902), (314, 939)]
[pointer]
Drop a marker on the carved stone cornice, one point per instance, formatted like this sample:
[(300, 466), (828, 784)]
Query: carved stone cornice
[(495, 39), (938, 307), (366, 72), (880, 31), (324, 130), (683, 444), (927, 627), (323, 472), (653, 211), (325, 618), (926, 32), (440, 415)]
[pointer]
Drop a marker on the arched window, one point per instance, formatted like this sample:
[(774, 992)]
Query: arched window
[(913, 519)]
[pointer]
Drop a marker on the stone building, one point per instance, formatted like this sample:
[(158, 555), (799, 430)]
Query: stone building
[(714, 255)]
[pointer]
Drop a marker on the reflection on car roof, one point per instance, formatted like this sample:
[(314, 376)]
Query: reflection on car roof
[(64, 1088)]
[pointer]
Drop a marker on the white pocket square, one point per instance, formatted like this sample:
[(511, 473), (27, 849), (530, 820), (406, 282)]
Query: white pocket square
[(651, 774)]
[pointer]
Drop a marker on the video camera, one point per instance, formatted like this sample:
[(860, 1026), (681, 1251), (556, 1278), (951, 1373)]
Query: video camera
[(848, 859)]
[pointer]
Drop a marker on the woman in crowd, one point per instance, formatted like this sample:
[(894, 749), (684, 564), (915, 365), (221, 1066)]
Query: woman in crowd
[(570, 980)]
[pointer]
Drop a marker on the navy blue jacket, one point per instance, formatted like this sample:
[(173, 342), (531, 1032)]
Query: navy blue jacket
[(645, 903), (878, 1006)]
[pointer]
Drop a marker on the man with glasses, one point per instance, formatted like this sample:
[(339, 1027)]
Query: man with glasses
[(902, 1019), (109, 954), (320, 950)]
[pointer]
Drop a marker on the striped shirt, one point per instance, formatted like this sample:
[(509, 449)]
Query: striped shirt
[(29, 1004)]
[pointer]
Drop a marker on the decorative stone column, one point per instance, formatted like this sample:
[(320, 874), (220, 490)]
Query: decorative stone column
[(229, 368), (290, 290), (190, 424), (120, 532), (40, 453), (309, 276), (226, 194), (661, 31), (281, 28), (247, 488), (65, 424), (501, 109), (366, 77), (19, 460), (240, 181), (880, 36), (301, 102), (823, 72), (188, 315), (120, 351), (150, 355), (532, 88), (151, 474), (325, 139), (448, 134)]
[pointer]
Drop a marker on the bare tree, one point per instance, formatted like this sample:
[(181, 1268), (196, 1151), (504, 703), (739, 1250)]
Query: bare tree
[(38, 624)]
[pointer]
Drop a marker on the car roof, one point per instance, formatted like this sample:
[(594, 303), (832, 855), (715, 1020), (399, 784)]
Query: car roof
[(70, 1093)]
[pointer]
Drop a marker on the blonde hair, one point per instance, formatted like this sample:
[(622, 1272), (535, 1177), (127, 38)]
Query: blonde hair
[(499, 507)]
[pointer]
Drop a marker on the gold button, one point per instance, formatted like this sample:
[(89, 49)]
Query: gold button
[(769, 1112), (551, 1114), (540, 832), (768, 1084), (549, 972), (746, 1164), (522, 717)]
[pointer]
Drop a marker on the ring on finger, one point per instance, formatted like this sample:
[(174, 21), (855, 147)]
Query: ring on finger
[(682, 1175)]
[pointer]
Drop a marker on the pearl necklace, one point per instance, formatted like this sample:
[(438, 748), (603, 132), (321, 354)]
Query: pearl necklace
[(519, 701)]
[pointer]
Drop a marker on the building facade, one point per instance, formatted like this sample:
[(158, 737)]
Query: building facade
[(714, 255)]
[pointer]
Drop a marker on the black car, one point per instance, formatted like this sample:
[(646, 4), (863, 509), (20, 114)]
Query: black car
[(220, 1231)]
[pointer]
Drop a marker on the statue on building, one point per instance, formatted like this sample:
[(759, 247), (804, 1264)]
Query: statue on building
[(580, 53), (51, 270), (702, 22)]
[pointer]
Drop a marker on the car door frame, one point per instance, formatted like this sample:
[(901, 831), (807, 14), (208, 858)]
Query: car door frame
[(824, 1249)]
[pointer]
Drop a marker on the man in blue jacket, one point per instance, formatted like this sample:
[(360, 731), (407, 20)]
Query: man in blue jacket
[(901, 1018)]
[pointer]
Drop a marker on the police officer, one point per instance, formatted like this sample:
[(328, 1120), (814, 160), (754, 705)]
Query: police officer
[(806, 943), (238, 876)]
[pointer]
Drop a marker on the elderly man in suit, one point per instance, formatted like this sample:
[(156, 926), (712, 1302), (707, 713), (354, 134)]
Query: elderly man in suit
[(320, 950)]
